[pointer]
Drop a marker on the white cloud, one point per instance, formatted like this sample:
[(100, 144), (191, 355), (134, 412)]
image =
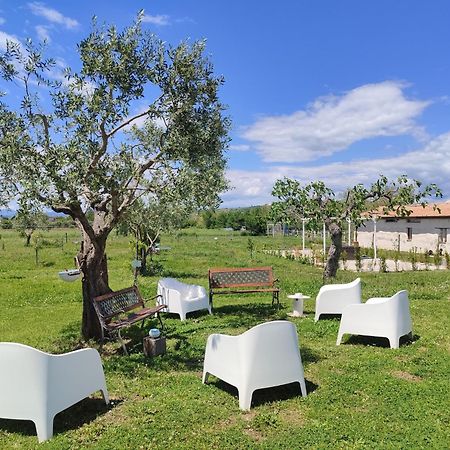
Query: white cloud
[(240, 147), (159, 19), (52, 15), (7, 37), (430, 164), (43, 33), (333, 123)]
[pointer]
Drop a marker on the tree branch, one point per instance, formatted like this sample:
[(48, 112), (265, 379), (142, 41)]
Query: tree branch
[(128, 121)]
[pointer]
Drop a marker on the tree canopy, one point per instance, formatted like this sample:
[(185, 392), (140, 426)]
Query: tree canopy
[(319, 204), (139, 117)]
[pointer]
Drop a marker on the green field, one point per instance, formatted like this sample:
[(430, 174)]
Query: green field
[(361, 395)]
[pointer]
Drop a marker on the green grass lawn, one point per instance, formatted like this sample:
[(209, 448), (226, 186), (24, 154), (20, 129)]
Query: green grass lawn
[(361, 395)]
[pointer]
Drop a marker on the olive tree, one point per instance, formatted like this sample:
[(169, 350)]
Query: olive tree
[(27, 220), (138, 117), (148, 219), (318, 203)]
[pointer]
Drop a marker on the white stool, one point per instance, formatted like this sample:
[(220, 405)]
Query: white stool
[(297, 304)]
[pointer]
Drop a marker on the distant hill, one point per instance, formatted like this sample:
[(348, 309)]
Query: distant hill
[(8, 213)]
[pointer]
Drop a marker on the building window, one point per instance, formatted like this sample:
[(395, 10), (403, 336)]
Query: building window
[(409, 233), (442, 235), (412, 220), (391, 219)]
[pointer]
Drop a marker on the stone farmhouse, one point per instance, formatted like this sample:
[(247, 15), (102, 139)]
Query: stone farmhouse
[(425, 229)]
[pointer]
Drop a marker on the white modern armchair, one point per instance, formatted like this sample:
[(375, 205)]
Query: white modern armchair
[(333, 298), (36, 386), (182, 298), (264, 356), (381, 317)]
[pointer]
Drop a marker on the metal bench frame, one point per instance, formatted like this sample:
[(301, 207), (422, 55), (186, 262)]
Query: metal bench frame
[(120, 309), (244, 280)]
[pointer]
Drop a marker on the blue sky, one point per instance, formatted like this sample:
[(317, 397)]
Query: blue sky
[(340, 91)]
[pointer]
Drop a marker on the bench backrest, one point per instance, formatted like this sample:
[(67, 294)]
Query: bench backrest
[(240, 277), (114, 303)]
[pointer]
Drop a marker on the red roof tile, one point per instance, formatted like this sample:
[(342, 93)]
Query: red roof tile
[(442, 210)]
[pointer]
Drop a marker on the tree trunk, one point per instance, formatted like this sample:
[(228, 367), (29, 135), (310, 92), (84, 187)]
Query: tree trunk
[(143, 269), (334, 253), (93, 264)]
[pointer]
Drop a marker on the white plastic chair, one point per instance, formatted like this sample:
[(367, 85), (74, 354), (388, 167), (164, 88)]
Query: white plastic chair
[(333, 298), (381, 317), (36, 386), (264, 356), (182, 298)]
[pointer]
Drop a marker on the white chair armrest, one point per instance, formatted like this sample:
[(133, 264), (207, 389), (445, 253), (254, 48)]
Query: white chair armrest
[(73, 376), (375, 300)]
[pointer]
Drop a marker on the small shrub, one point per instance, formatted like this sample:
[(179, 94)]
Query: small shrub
[(412, 255), (344, 258), (303, 259), (383, 265), (426, 259), (447, 259), (358, 260), (397, 260), (153, 268), (250, 247), (437, 257)]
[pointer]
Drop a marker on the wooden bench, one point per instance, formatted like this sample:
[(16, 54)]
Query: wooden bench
[(121, 309), (242, 281)]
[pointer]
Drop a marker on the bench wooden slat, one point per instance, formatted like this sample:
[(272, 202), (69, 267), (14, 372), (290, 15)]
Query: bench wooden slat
[(259, 278), (245, 291)]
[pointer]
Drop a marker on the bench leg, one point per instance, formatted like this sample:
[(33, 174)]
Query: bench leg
[(275, 297), (122, 343), (160, 320)]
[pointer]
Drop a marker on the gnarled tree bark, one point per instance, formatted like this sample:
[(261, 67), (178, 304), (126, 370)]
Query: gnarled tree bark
[(334, 253), (93, 265)]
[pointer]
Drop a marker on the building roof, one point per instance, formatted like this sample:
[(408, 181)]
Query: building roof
[(432, 210)]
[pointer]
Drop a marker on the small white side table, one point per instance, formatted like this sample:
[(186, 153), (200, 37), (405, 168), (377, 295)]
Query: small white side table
[(297, 304)]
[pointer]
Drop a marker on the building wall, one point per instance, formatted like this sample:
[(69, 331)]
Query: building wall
[(425, 234)]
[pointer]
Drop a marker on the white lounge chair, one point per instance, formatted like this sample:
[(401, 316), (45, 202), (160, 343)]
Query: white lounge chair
[(36, 386), (333, 298), (382, 317), (264, 356), (182, 298)]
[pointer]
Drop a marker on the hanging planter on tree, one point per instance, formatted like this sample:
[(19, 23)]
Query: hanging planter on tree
[(70, 275)]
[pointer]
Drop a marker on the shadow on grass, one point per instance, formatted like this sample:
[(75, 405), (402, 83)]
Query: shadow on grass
[(267, 395), (70, 339), (82, 413), (379, 341), (247, 315), (183, 353), (185, 340), (330, 317)]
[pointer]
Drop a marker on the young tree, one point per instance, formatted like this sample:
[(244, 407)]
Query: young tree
[(319, 204), (140, 116), (27, 220), (147, 220)]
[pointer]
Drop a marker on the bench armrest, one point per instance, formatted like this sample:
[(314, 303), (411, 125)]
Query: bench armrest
[(151, 298)]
